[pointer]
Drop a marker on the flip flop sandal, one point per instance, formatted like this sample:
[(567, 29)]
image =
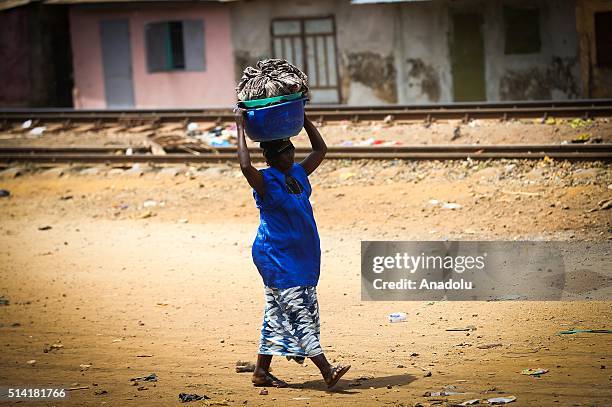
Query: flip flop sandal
[(271, 381), (337, 373)]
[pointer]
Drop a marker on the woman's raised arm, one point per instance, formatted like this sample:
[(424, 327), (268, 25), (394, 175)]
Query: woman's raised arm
[(253, 176), (314, 159)]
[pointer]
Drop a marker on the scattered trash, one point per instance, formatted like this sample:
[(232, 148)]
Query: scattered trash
[(263, 392), (150, 378), (66, 197), (397, 317), (4, 193), (37, 131), (84, 367), (27, 124), (433, 202), (489, 346), (550, 121), (300, 398), (244, 367), (129, 151), (388, 119), (470, 402), (501, 400), (581, 138), (534, 372), (427, 374), (591, 331), (144, 356), (31, 362), (4, 301), (456, 133), (55, 346), (467, 328), (192, 127), (451, 205), (183, 220), (440, 393), (185, 397), (577, 123), (149, 203), (78, 388), (145, 215), (46, 227)]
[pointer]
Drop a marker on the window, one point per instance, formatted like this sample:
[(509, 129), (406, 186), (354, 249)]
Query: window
[(522, 30), (175, 46), (603, 38), (310, 44)]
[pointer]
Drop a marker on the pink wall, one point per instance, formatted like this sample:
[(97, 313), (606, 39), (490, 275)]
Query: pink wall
[(212, 87)]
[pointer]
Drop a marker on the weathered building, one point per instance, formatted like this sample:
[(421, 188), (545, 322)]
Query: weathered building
[(417, 52), (147, 54), (167, 54)]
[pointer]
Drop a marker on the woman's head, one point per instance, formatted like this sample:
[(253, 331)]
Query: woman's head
[(279, 153)]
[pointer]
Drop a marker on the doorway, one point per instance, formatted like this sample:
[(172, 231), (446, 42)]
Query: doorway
[(117, 63), (467, 57)]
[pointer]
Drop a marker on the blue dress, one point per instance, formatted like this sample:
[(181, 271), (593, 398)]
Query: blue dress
[(286, 250)]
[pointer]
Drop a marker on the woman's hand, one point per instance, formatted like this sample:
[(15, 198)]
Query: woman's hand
[(239, 116)]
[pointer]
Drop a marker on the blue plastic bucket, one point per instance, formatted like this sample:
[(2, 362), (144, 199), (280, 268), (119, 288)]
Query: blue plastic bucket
[(275, 122)]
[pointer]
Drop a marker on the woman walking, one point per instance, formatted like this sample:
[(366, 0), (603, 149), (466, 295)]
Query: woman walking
[(287, 254)]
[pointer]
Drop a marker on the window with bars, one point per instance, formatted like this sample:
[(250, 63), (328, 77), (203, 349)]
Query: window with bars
[(175, 46), (310, 44)]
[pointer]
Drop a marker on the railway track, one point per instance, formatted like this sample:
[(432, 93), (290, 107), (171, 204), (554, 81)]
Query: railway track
[(128, 155), (589, 108)]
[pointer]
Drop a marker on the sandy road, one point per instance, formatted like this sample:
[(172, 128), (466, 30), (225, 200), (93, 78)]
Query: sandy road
[(131, 294)]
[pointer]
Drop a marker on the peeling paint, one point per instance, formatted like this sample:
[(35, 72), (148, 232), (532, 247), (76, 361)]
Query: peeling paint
[(374, 71), (425, 76), (537, 83)]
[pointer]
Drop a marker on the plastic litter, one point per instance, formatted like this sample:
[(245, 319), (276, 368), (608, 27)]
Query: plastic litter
[(502, 400), (397, 317), (244, 367), (470, 402), (37, 131), (185, 397), (27, 124), (534, 372), (590, 331), (451, 205), (150, 378)]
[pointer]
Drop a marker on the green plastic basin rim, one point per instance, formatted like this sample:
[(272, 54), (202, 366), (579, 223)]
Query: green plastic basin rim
[(269, 101)]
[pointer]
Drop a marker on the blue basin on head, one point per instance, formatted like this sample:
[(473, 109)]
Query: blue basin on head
[(275, 122)]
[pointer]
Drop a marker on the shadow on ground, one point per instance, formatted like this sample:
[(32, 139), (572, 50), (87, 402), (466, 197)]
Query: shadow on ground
[(353, 386)]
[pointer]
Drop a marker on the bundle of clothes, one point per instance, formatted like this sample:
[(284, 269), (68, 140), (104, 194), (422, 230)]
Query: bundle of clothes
[(270, 78)]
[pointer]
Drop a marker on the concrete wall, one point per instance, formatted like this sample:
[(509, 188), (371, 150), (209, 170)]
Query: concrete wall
[(365, 40), (212, 87), (596, 81), (400, 53), (552, 73)]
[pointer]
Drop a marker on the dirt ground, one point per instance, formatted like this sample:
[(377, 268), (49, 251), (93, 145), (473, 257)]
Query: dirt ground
[(484, 132), (148, 270)]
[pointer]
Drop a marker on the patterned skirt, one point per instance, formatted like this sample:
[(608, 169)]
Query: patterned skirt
[(291, 323)]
